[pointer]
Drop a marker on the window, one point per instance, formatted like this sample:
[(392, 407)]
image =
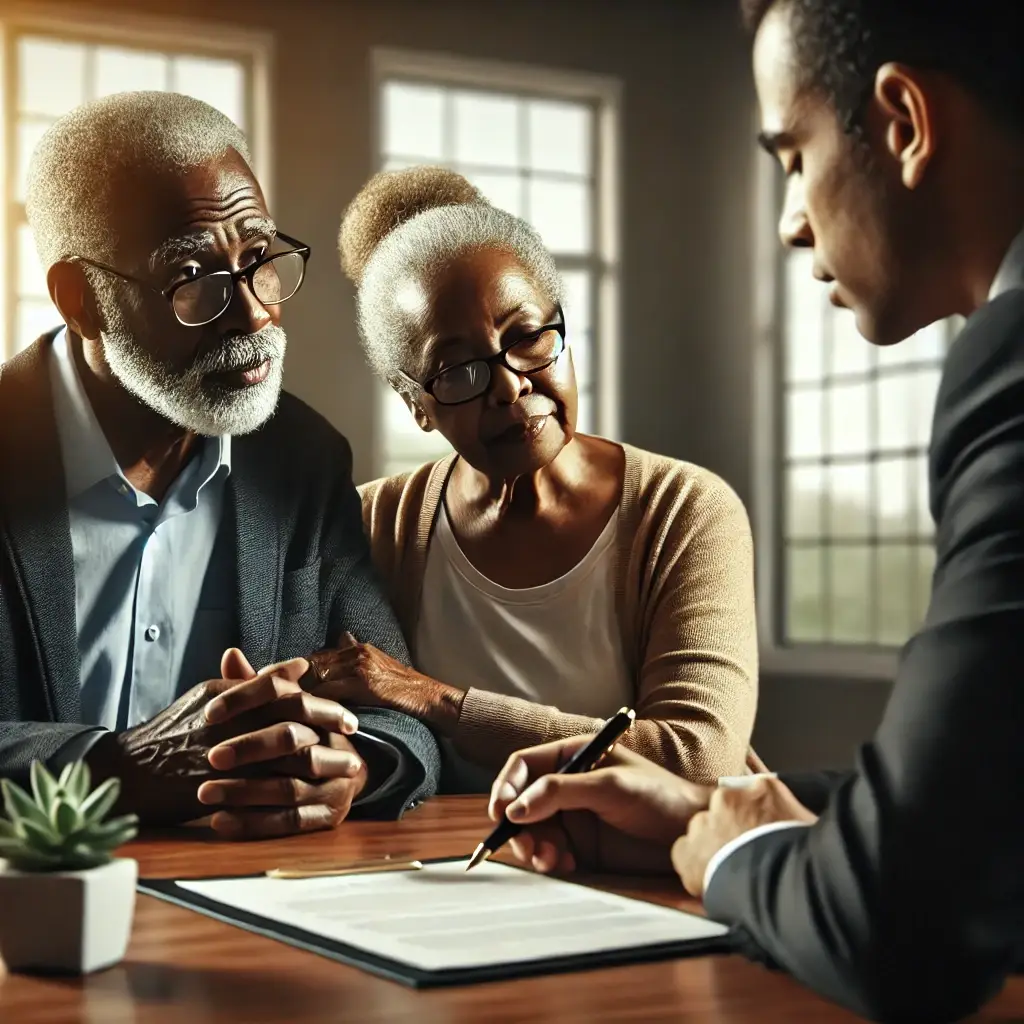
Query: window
[(541, 147), (54, 67), (854, 541)]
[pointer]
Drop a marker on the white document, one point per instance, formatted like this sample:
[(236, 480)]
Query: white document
[(442, 917)]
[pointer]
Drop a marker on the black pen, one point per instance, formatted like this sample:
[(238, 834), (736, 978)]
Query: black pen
[(583, 760)]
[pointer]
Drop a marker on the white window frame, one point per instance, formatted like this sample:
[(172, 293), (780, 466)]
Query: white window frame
[(439, 69), (131, 29)]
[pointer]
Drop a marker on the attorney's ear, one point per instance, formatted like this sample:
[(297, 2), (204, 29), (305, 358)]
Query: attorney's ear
[(74, 298)]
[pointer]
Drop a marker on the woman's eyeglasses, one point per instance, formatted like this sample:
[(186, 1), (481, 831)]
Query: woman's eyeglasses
[(462, 383)]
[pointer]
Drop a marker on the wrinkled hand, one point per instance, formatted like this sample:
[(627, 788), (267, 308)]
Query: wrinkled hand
[(361, 675), (162, 762), (730, 813), (622, 816), (275, 794)]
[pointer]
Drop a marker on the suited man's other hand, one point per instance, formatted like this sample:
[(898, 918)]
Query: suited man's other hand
[(731, 813), (623, 816)]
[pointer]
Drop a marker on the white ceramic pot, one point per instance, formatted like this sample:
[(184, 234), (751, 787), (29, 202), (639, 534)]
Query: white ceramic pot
[(71, 922)]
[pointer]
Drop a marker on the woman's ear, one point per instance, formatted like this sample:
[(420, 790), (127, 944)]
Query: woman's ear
[(73, 296), (412, 403)]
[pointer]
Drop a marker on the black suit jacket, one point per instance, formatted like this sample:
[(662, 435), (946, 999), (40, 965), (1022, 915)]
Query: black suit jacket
[(906, 901), (292, 529)]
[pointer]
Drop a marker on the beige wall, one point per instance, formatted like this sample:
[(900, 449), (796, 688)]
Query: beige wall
[(688, 162)]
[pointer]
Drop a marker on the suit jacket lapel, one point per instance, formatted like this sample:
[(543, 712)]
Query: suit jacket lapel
[(33, 504), (258, 553)]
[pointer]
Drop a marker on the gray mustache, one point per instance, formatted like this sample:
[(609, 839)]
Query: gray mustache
[(243, 352)]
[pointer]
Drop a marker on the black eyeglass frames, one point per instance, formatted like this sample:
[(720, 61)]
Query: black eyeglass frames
[(272, 279), (465, 381)]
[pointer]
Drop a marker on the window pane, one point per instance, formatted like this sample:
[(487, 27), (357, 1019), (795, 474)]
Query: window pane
[(925, 567), (850, 596), (582, 352), (849, 497), (926, 388), (577, 301), (850, 352), (848, 432), (928, 345), (31, 279), (503, 190), (51, 76), (120, 70), (925, 523), (559, 136), (895, 593), (804, 502), (35, 317), (29, 134), (221, 83), (560, 211), (804, 423), (894, 497), (893, 411), (804, 327), (585, 413), (486, 130), (805, 622), (413, 121)]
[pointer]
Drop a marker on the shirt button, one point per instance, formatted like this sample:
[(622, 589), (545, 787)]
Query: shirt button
[(153, 633)]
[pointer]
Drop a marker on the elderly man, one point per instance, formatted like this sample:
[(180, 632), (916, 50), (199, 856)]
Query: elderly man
[(164, 507)]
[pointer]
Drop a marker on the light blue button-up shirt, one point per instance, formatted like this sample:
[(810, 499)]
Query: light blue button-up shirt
[(140, 566)]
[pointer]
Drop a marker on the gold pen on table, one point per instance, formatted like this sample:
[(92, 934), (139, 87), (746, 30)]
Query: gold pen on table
[(584, 760), (365, 867)]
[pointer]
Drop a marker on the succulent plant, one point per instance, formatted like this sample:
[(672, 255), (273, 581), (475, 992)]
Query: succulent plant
[(60, 826)]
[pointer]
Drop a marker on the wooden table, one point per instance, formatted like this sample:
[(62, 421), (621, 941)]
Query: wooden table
[(182, 966)]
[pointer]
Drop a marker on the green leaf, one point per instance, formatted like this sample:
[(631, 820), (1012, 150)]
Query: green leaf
[(44, 785), (40, 837), (7, 830), (82, 859), (101, 801), (79, 783), (65, 775), (66, 818), (20, 805), (34, 860), (117, 831)]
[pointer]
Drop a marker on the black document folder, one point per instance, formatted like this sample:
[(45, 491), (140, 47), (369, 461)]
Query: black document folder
[(632, 950)]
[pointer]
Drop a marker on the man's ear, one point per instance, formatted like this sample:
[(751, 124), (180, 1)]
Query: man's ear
[(73, 296), (907, 104)]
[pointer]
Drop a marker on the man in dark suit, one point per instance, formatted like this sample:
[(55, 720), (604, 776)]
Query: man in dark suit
[(896, 889), (169, 518)]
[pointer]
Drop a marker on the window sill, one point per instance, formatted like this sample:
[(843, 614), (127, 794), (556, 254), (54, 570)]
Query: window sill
[(831, 663)]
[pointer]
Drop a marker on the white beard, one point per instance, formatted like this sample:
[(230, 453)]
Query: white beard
[(190, 399)]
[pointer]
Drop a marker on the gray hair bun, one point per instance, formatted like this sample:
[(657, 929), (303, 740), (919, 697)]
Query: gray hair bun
[(387, 201)]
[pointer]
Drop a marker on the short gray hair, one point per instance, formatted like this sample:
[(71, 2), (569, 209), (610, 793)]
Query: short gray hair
[(405, 225), (76, 167)]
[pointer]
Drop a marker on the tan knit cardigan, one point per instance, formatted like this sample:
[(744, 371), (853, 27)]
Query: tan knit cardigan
[(685, 600)]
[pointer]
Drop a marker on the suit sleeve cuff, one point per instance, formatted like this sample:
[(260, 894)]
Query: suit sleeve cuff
[(734, 844), (75, 749), (383, 751)]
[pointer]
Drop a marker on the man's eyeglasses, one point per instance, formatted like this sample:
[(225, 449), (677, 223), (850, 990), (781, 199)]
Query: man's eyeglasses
[(466, 381), (272, 279)]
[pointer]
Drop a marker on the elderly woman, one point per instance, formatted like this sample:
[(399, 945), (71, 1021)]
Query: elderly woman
[(544, 578)]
